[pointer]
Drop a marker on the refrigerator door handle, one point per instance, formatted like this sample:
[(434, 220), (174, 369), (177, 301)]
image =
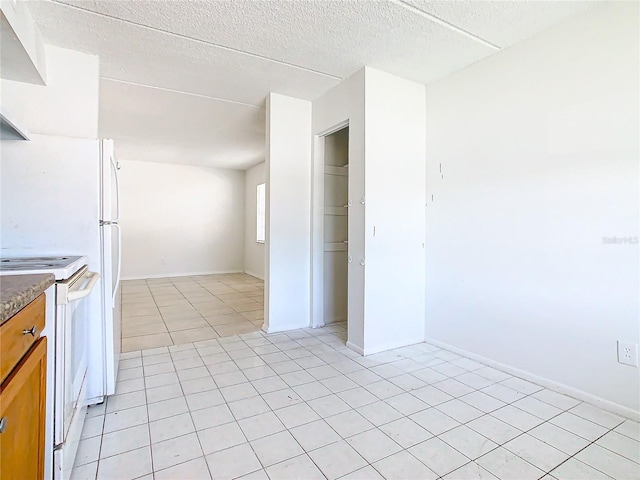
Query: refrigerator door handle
[(117, 282), (117, 188)]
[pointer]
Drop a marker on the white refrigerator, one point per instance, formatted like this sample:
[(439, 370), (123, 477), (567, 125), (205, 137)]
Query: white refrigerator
[(59, 196)]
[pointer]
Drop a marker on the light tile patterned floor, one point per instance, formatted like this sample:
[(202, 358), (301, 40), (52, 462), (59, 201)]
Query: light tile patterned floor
[(172, 311), (299, 405)]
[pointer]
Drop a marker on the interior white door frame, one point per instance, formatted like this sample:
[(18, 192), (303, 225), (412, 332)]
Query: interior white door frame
[(317, 224)]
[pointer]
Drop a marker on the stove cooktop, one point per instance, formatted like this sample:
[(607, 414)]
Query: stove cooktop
[(61, 266)]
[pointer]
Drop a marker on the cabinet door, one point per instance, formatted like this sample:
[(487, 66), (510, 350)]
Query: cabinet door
[(22, 413)]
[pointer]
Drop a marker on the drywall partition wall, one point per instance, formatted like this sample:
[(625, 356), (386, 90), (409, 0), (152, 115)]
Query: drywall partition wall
[(395, 140), (342, 105), (253, 251), (386, 118), (288, 250), (532, 253), (67, 106), (180, 220)]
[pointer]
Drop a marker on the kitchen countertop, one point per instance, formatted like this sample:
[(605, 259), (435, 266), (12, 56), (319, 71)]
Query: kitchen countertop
[(18, 291)]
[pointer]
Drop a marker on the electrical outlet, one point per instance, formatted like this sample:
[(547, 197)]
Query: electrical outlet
[(628, 353)]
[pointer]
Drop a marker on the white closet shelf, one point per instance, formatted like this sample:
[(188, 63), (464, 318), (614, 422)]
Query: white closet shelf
[(335, 170), (336, 247), (337, 211)]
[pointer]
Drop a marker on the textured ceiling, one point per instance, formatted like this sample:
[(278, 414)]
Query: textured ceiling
[(151, 124), (240, 50)]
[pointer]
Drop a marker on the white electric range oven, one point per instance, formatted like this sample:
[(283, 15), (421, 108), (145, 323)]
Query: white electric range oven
[(66, 329)]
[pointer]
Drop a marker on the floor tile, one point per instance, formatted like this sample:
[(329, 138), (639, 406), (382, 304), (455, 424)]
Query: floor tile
[(146, 341), (494, 429), (438, 456), (597, 415), (126, 400), (262, 426), (559, 400), (403, 466), (200, 400), (281, 398), (92, 426), (171, 427), (88, 450), (85, 472), (175, 450), (608, 462), (125, 419), (622, 445), (559, 438), (300, 467), (124, 440), (364, 473), (504, 464), (133, 464), (220, 437), (579, 426), (296, 415), (470, 471), (482, 401), (233, 462), (434, 421), (630, 429), (536, 407), (460, 411), (379, 413), (315, 435), (536, 452), (468, 442), (337, 459), (248, 407), (520, 385), (349, 423), (431, 395), (574, 469), (195, 469), (276, 448), (502, 392), (406, 432), (517, 418), (373, 445)]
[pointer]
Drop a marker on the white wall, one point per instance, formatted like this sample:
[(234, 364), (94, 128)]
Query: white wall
[(180, 220), (395, 142), (67, 106), (253, 251), (539, 152), (288, 249)]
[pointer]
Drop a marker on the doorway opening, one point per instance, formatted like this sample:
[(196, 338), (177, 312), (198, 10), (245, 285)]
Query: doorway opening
[(335, 271)]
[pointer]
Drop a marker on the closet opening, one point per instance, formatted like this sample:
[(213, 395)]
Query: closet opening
[(335, 271)]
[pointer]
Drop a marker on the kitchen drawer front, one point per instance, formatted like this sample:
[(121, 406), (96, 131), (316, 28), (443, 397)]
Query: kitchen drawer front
[(19, 333)]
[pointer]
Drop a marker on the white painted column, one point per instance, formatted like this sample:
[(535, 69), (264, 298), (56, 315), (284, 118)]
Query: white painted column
[(288, 235), (394, 226)]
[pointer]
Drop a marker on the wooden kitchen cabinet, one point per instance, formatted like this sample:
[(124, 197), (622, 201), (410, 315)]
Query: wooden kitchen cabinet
[(22, 404)]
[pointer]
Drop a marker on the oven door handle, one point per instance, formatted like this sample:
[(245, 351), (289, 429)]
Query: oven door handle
[(73, 295)]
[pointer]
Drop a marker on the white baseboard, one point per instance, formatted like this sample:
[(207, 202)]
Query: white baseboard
[(283, 328), (171, 275), (544, 382), (254, 274), (391, 345), (355, 348)]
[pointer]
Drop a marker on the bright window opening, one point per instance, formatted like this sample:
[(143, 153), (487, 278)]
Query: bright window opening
[(260, 209)]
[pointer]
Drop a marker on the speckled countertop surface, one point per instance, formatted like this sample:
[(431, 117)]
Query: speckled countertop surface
[(18, 291)]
